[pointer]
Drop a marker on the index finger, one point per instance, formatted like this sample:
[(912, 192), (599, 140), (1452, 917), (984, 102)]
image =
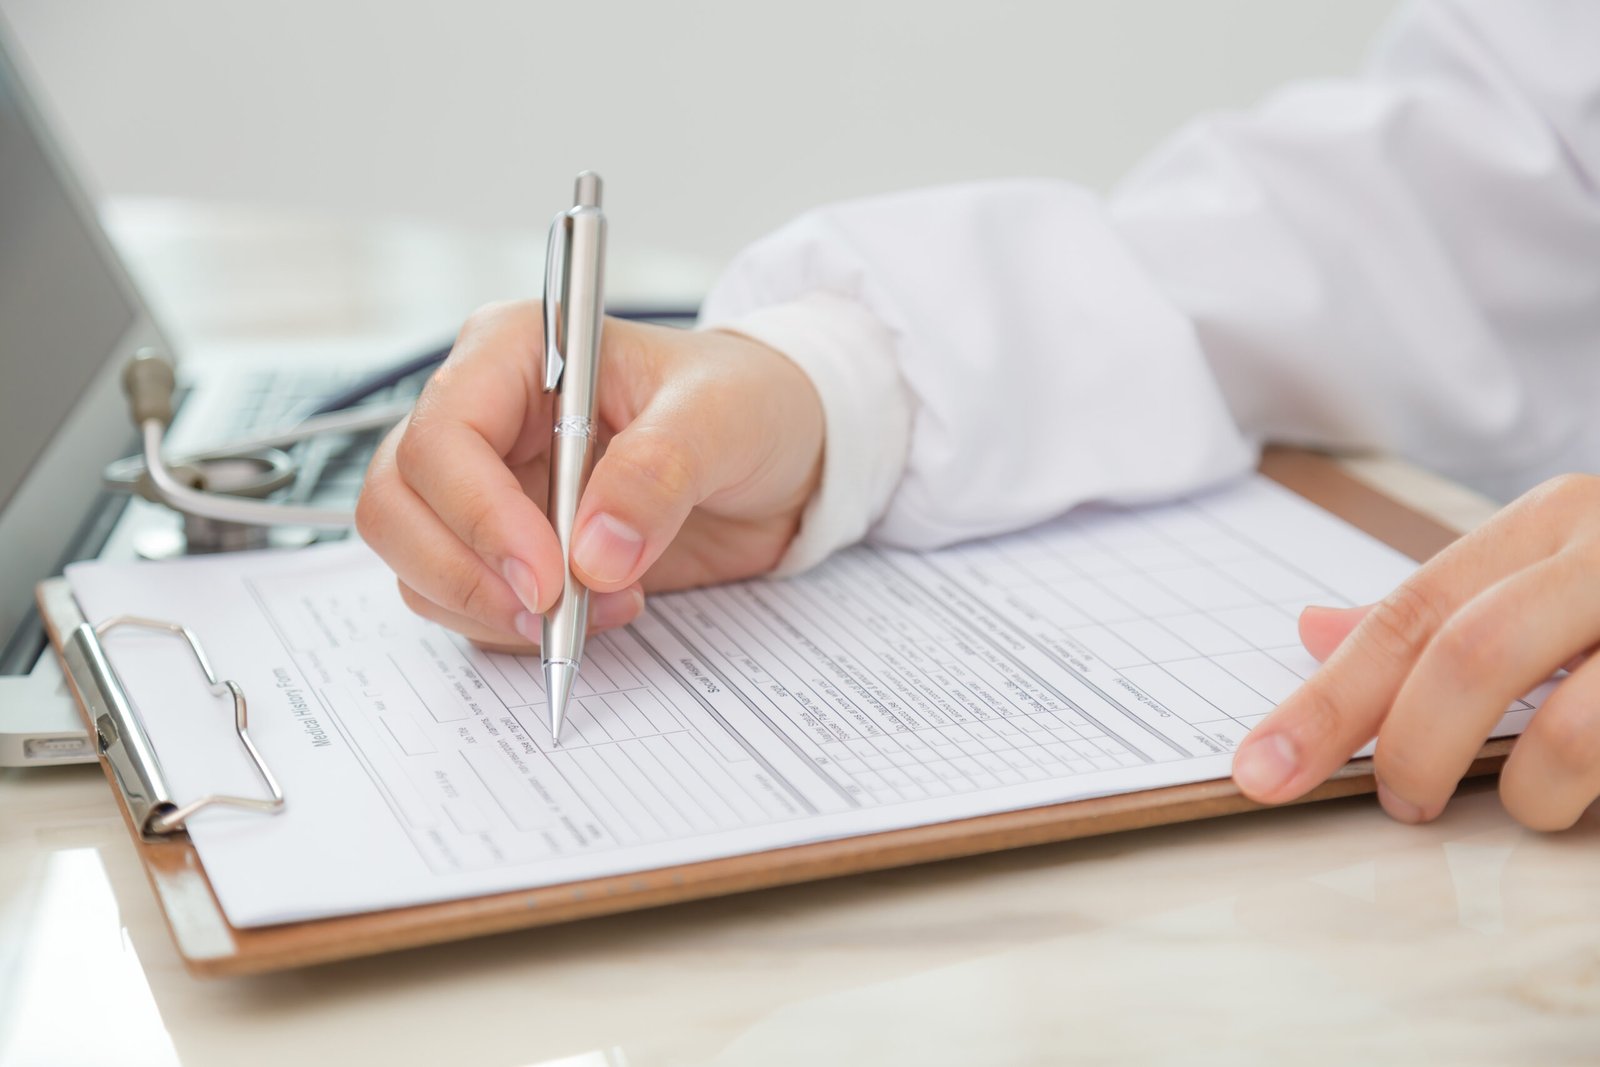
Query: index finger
[(1339, 709), (482, 413)]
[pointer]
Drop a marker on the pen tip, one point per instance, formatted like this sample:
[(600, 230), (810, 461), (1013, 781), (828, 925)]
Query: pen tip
[(559, 676)]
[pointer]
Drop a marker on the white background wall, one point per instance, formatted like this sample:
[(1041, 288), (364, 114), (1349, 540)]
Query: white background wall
[(712, 121)]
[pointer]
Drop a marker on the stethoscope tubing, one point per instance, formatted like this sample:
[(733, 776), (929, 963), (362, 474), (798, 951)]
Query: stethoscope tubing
[(221, 507)]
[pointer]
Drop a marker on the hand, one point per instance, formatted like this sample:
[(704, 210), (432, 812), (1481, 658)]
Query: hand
[(711, 446), (1433, 666)]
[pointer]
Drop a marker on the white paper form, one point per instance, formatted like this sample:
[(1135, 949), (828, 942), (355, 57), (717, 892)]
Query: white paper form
[(1109, 651)]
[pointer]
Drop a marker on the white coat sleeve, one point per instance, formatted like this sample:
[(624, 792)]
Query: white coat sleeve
[(1408, 260)]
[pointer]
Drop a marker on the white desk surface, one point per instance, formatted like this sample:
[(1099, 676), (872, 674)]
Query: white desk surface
[(1310, 935)]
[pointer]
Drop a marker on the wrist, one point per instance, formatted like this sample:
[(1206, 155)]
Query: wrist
[(847, 359)]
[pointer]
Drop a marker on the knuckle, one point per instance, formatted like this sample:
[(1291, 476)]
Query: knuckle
[(373, 508), (1403, 621), (474, 517), (366, 518), (501, 319), (1585, 553), (1573, 487), (1570, 739), (484, 317), (476, 318), (410, 450), (658, 463), (475, 529), (1564, 494), (470, 592), (1319, 716), (1472, 650)]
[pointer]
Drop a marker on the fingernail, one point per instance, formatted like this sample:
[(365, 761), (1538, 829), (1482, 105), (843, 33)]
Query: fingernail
[(519, 576), (1264, 764), (529, 626), (607, 548), (1332, 609), (1399, 808)]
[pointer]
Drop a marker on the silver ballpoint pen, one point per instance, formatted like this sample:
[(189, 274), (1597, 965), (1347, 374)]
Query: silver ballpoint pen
[(573, 310)]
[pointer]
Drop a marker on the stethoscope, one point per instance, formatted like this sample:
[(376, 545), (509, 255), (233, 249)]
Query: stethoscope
[(222, 493)]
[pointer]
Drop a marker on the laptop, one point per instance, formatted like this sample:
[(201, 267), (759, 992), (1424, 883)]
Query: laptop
[(70, 317)]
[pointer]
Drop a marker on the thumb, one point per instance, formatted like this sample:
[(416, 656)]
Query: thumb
[(1322, 630), (653, 473)]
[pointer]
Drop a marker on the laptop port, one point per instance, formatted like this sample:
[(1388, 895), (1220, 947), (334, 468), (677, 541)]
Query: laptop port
[(50, 748)]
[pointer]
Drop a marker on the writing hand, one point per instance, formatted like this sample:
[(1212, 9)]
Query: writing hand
[(710, 443)]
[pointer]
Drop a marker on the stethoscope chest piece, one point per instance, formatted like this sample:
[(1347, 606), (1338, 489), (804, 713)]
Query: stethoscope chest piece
[(252, 475)]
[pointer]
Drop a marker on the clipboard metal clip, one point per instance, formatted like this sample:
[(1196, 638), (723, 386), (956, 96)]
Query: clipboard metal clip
[(125, 745)]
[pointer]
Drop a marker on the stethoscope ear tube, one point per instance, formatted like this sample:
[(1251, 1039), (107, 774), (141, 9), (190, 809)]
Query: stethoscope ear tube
[(148, 380)]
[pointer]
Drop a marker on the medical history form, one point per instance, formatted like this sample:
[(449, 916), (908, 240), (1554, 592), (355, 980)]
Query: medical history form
[(1109, 651)]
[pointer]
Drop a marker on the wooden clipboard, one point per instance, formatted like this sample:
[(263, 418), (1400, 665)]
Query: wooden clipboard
[(210, 947)]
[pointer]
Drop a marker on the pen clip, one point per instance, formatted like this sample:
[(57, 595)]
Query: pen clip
[(555, 288)]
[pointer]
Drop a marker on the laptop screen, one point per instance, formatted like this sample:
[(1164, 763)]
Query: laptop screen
[(62, 309)]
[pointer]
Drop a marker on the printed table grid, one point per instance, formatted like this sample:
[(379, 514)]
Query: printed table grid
[(914, 755), (1203, 623)]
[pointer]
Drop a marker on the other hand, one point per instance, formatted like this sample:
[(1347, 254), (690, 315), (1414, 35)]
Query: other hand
[(1430, 669)]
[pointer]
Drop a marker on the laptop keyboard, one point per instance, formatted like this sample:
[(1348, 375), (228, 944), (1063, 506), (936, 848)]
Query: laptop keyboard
[(267, 399)]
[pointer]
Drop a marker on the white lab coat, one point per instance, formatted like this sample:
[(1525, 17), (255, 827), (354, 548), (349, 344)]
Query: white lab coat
[(1408, 260)]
